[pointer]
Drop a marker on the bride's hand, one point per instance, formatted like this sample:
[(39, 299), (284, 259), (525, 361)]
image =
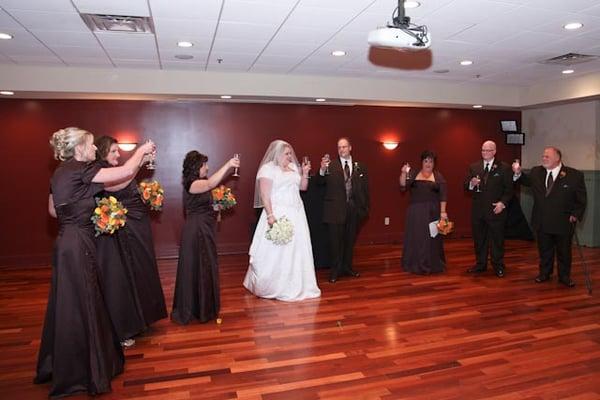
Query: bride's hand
[(271, 220)]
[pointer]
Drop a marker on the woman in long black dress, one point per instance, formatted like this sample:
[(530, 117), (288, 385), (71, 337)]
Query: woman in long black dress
[(423, 254), (128, 270), (197, 293), (79, 350)]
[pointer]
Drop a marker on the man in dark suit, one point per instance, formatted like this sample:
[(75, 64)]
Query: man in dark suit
[(346, 202), (490, 181), (559, 199)]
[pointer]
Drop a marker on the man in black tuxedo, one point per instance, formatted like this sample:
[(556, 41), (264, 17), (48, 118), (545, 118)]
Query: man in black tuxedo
[(559, 199), (346, 202), (490, 181)]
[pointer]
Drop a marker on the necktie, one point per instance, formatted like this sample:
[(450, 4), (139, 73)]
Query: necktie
[(549, 182), (347, 180), (486, 171)]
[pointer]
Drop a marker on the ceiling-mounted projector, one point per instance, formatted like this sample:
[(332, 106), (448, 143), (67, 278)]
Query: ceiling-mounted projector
[(401, 35)]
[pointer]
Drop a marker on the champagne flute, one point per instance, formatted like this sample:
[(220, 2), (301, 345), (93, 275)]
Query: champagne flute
[(407, 171), (327, 160), (306, 161), (235, 170), (151, 165), (478, 186)]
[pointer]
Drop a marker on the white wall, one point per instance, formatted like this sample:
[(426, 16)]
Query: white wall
[(573, 128)]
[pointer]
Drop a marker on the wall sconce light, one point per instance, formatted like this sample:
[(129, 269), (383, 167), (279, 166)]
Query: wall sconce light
[(390, 145), (127, 146)]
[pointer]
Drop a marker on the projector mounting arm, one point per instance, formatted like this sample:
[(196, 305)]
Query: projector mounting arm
[(402, 21)]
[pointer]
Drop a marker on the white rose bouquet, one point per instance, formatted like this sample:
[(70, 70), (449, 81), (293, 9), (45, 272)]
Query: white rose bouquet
[(281, 232)]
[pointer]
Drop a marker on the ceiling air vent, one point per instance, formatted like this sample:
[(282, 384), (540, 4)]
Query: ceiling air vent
[(569, 59), (118, 23)]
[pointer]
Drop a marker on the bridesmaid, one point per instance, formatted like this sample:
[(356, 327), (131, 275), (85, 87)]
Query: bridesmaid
[(197, 284), (79, 350), (128, 272)]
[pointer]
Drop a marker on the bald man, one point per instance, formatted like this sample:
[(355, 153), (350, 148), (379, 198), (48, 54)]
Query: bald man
[(491, 184), (559, 200)]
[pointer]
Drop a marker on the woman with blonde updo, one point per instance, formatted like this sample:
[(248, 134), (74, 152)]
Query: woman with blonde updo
[(79, 350)]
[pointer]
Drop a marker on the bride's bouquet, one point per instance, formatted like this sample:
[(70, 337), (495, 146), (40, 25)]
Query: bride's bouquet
[(281, 232), (109, 215)]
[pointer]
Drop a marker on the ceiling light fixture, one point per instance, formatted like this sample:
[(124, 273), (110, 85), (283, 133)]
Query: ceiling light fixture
[(320, 100), (338, 53), (185, 44), (127, 146), (411, 4), (477, 106), (466, 62), (390, 145), (6, 93), (571, 26), (568, 71), (226, 96), (183, 56), (5, 36)]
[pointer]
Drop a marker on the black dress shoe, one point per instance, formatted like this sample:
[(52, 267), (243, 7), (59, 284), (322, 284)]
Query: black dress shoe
[(567, 282), (475, 270), (353, 273), (541, 278), (500, 273)]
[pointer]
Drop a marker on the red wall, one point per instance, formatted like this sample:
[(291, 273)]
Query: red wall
[(221, 129)]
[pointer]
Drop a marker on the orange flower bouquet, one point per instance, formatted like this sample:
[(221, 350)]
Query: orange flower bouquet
[(223, 199), (109, 215), (152, 194)]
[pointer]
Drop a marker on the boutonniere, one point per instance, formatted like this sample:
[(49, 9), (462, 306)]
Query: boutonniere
[(494, 166), (356, 167), (562, 174)]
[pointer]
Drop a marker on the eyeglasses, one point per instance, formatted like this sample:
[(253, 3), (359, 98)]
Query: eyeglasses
[(487, 150)]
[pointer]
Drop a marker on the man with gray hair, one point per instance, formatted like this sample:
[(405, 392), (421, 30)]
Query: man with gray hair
[(490, 182), (559, 200)]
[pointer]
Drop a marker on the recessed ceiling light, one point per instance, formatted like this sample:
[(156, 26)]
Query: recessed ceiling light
[(477, 106), (185, 44), (226, 96), (183, 56), (411, 4), (572, 26), (338, 53), (568, 71), (6, 92), (5, 36), (466, 62), (441, 71), (320, 100)]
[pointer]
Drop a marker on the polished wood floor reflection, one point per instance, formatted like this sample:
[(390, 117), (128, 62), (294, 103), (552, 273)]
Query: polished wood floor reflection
[(385, 335)]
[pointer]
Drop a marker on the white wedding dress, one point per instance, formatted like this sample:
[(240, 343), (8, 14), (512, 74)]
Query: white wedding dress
[(282, 272)]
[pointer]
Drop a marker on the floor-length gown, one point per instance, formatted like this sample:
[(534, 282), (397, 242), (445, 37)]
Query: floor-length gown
[(128, 270), (282, 272), (421, 253), (197, 293), (79, 350)]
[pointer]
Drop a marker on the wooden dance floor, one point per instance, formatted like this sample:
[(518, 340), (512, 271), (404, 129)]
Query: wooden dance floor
[(385, 335)]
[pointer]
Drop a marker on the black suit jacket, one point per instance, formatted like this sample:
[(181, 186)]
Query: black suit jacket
[(497, 187), (567, 197), (335, 205)]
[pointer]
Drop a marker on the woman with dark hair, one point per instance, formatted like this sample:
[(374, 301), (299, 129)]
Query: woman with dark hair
[(423, 254), (79, 350), (197, 293), (129, 275)]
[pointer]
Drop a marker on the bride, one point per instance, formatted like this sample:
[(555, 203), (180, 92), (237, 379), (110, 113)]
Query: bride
[(282, 272)]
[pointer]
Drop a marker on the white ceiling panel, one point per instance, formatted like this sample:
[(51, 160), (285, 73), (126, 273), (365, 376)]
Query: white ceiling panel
[(137, 8), (126, 40), (38, 5), (184, 28), (252, 12), (59, 38), (506, 39), (73, 51), (50, 21), (184, 9)]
